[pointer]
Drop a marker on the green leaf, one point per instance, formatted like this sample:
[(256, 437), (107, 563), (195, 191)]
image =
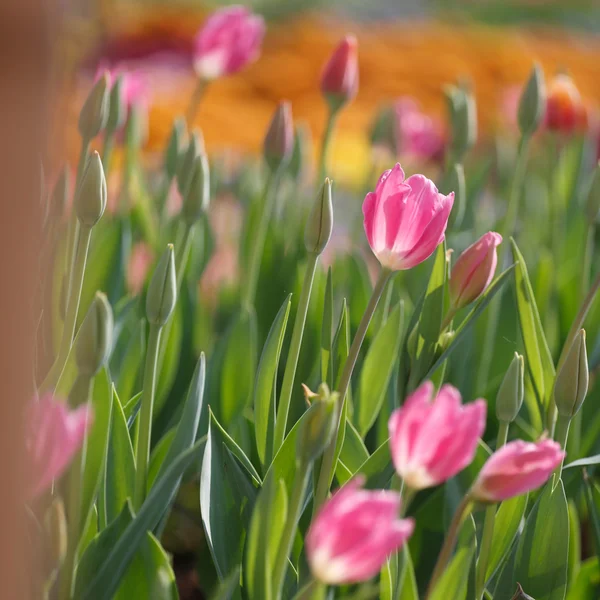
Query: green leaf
[(398, 581), (158, 455), (354, 452), (168, 360), (264, 390), (584, 462), (377, 370), (378, 468), (327, 333), (543, 550), (592, 496), (228, 586), (538, 358), (131, 364), (586, 585)]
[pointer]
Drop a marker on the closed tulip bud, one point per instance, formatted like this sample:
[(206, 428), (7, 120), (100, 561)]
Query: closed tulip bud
[(463, 121), (196, 201), (532, 104), (94, 114), (187, 163), (571, 384), (162, 290), (90, 199), (521, 595), (117, 109), (94, 340), (474, 270), (318, 424), (455, 182), (320, 221), (279, 141), (60, 193), (339, 80), (56, 532), (512, 391), (173, 152)]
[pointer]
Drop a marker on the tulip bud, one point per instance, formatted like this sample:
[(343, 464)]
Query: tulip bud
[(279, 141), (564, 107), (196, 201), (90, 199), (56, 532), (463, 121), (383, 131), (173, 152), (532, 104), (187, 163), (320, 221), (300, 158), (94, 114), (474, 270), (94, 340), (511, 392), (117, 109), (318, 424), (455, 182), (571, 384), (162, 290), (521, 595), (60, 194), (339, 81)]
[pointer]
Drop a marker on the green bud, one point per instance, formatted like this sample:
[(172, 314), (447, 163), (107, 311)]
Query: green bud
[(197, 199), (593, 198), (279, 140), (512, 391), (60, 194), (94, 340), (90, 200), (463, 121), (320, 221), (300, 160), (571, 384), (317, 426), (117, 110), (173, 152), (55, 524), (185, 172), (94, 114), (162, 290), (533, 102), (383, 130), (455, 182), (521, 595)]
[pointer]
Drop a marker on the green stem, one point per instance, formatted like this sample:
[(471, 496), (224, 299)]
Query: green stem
[(294, 353), (107, 151), (144, 431), (192, 110), (327, 465), (448, 319), (326, 142), (562, 433), (81, 252), (287, 538), (182, 254), (588, 258), (488, 526), (462, 510), (83, 155)]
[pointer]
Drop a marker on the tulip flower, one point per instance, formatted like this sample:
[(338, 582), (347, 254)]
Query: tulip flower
[(405, 220), (432, 439), (516, 468), (474, 270), (354, 533), (230, 39), (564, 107), (54, 435), (339, 80)]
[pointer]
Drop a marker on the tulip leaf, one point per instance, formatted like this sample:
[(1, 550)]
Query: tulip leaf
[(378, 468), (228, 587), (265, 386), (131, 363), (158, 455), (584, 462), (398, 581), (377, 370), (327, 334), (354, 452), (170, 351)]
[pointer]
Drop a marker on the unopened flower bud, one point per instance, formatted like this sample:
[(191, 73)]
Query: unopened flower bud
[(196, 201), (55, 523), (532, 104), (117, 109), (60, 194), (474, 270), (320, 221), (317, 426), (187, 163), (90, 199), (94, 114), (521, 595), (173, 152), (162, 290), (339, 81), (571, 384), (463, 121), (94, 340), (300, 158), (511, 392), (279, 141), (564, 107), (455, 182)]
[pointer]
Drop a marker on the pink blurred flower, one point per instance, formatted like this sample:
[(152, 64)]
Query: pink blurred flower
[(134, 89), (516, 468), (419, 136), (432, 439), (354, 533), (339, 80), (230, 39), (474, 270), (221, 271), (405, 221), (54, 435), (140, 261)]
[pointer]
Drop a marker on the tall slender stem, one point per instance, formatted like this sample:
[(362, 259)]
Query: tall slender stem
[(293, 355), (488, 526), (327, 465), (144, 431), (588, 257), (326, 142), (196, 97)]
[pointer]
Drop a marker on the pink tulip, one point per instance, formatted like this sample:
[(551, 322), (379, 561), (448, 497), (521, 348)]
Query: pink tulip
[(474, 270), (230, 39), (405, 221), (339, 81), (134, 89), (140, 261), (354, 533), (54, 435), (419, 136), (432, 439), (516, 468)]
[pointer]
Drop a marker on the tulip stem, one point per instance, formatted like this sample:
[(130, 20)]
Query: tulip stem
[(293, 355), (462, 510), (294, 513), (327, 465), (144, 430), (488, 526), (196, 97), (182, 254), (326, 141), (74, 298), (448, 319), (107, 151), (508, 227), (588, 257)]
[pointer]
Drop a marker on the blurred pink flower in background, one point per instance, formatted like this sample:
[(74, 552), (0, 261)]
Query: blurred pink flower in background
[(221, 271), (339, 80), (140, 261), (434, 438), (354, 533), (54, 435), (230, 39)]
